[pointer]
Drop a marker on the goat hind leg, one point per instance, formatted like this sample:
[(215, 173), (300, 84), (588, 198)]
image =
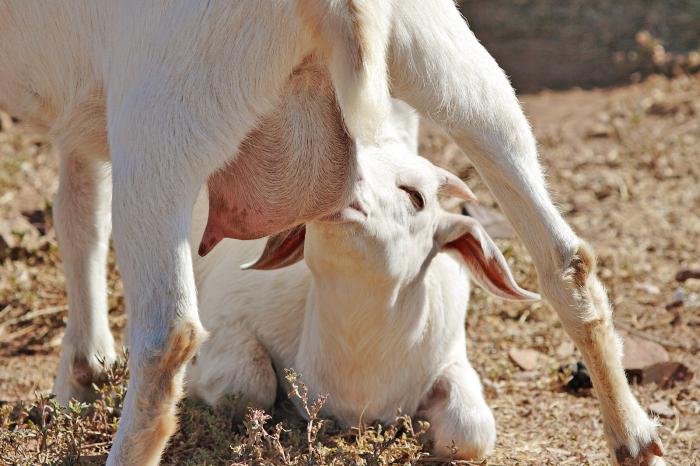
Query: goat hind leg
[(438, 66), (82, 220), (233, 370)]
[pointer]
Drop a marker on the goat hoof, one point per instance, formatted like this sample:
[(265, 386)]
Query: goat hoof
[(649, 455), (75, 378)]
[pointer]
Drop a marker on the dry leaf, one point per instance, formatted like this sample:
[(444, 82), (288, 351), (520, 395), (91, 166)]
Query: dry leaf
[(565, 349), (661, 409), (664, 374), (526, 359), (640, 353)]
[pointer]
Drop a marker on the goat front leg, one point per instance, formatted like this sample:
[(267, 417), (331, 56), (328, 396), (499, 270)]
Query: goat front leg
[(82, 219), (461, 423), (439, 67), (155, 185)]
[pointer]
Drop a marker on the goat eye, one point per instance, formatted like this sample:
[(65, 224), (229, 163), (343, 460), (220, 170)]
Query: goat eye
[(415, 196)]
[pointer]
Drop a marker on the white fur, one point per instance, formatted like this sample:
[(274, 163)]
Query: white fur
[(166, 91), (373, 316)]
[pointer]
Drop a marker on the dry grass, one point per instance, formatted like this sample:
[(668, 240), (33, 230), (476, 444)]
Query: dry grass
[(43, 432), (624, 166)]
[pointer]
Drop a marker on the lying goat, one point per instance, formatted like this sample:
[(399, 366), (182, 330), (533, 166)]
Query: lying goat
[(172, 92), (375, 314)]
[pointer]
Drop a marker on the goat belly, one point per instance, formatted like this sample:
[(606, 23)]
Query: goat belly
[(298, 164)]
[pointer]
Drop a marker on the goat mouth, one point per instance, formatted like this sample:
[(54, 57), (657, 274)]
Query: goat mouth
[(353, 213)]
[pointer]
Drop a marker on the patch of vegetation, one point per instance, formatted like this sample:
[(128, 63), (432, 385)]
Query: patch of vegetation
[(43, 432)]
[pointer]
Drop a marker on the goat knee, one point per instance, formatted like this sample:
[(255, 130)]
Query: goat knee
[(157, 369), (575, 291), (461, 424), (587, 315), (466, 435)]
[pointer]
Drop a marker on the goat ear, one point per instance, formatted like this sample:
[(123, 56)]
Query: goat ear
[(452, 185), (487, 265), (281, 250)]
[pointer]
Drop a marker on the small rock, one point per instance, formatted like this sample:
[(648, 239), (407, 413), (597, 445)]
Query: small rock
[(678, 295), (600, 131), (565, 349), (663, 108), (692, 301), (649, 288), (612, 157), (640, 353), (526, 359), (23, 280), (677, 298), (661, 409)]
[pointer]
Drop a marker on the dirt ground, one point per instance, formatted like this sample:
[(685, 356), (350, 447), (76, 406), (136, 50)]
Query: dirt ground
[(623, 165)]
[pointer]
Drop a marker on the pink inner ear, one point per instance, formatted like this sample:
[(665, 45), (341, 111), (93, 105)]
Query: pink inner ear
[(488, 267), (298, 164), (281, 250), (471, 251)]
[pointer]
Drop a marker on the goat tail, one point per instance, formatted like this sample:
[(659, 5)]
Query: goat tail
[(355, 34)]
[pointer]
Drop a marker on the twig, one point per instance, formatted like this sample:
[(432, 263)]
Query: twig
[(662, 341), (95, 445), (18, 333), (687, 274), (34, 314), (5, 311)]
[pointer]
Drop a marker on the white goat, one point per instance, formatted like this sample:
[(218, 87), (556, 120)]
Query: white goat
[(171, 91), (374, 317)]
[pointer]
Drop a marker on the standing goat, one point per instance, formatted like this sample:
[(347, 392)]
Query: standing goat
[(374, 316), (170, 92)]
